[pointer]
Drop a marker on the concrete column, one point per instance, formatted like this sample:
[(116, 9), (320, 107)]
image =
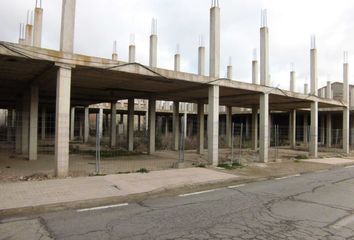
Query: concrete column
[(200, 130), (351, 97), (25, 124), (29, 35), (152, 125), (131, 124), (177, 62), (153, 47), (214, 69), (229, 72), (139, 122), (10, 116), (292, 131), (72, 124), (322, 130), (201, 60), (33, 130), (86, 125), (81, 126), (175, 125), (305, 130), (185, 120), (113, 135), (346, 111), (132, 53), (255, 79), (43, 123), (213, 125), (263, 127), (254, 128), (62, 120), (67, 26), (306, 88), (18, 126), (100, 115), (329, 90), (166, 126), (37, 30), (292, 81), (314, 105), (329, 129), (228, 126), (264, 48)]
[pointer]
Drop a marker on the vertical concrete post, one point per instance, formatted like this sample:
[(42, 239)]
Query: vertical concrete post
[(37, 30), (43, 123), (25, 124), (18, 125), (100, 115), (346, 112), (329, 129), (177, 62), (62, 120), (213, 95), (130, 124), (29, 35), (306, 88), (72, 124), (329, 90), (292, 126), (314, 105), (254, 137), (86, 125), (264, 127), (10, 116), (322, 129), (255, 79), (152, 125), (175, 125), (229, 129), (153, 45), (264, 46), (113, 135), (305, 130), (33, 126), (185, 122), (131, 53), (292, 81), (67, 26), (200, 137), (201, 60)]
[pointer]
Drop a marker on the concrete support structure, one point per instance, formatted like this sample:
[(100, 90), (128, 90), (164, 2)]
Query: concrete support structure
[(43, 123), (292, 81), (255, 79), (305, 129), (29, 35), (254, 137), (306, 88), (177, 62), (329, 130), (131, 124), (152, 125), (33, 123), (153, 50), (175, 125), (329, 90), (86, 124), (18, 125), (322, 130), (113, 135), (201, 60), (9, 125), (346, 110), (67, 26), (131, 53), (264, 127), (200, 137), (37, 29), (72, 124), (292, 128), (25, 124), (100, 116), (314, 105), (264, 46), (229, 126), (213, 94)]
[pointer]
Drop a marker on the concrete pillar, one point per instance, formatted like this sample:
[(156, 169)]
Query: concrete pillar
[(152, 125), (329, 90), (201, 60), (25, 124), (131, 53), (81, 126), (200, 137), (214, 69), (37, 30), (86, 125), (62, 120), (18, 125), (346, 111), (175, 125), (100, 115), (33, 130), (29, 35), (351, 97), (263, 127), (185, 121), (254, 137), (329, 129), (139, 122), (166, 126), (322, 130), (177, 62), (306, 88), (255, 79), (228, 126), (229, 72), (264, 51), (305, 130), (43, 123), (10, 116), (113, 135), (213, 125), (314, 105), (292, 81), (67, 26), (131, 124), (292, 131), (153, 50), (72, 124)]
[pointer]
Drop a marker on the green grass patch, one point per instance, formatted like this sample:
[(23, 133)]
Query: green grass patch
[(199, 165), (143, 170), (301, 157), (230, 166)]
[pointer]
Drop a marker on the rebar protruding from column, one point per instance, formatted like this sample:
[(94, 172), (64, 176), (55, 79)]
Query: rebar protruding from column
[(154, 26), (255, 54), (177, 49), (40, 3), (132, 39), (264, 20), (201, 41), (313, 41), (214, 3), (115, 46), (345, 57)]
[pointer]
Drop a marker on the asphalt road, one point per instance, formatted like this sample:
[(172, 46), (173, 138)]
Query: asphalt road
[(311, 206)]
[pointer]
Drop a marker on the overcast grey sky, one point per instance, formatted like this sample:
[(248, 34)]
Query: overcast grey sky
[(291, 22)]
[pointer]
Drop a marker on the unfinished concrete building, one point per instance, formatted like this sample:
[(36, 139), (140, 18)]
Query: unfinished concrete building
[(56, 95)]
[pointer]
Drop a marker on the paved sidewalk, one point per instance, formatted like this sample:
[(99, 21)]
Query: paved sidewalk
[(60, 191)]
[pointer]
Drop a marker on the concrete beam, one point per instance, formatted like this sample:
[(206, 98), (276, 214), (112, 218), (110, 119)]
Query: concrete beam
[(62, 120)]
